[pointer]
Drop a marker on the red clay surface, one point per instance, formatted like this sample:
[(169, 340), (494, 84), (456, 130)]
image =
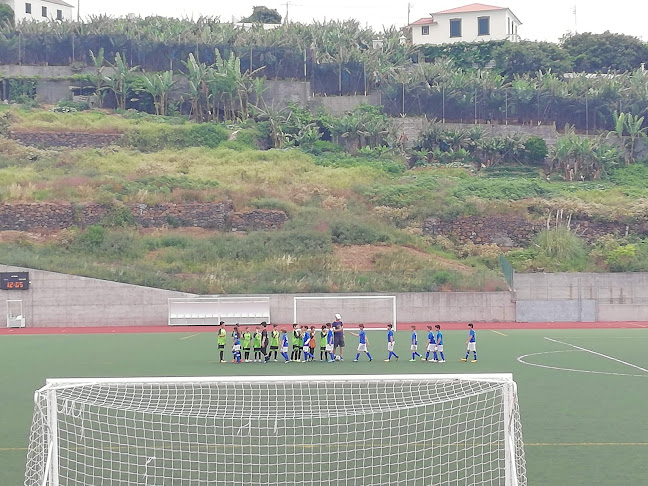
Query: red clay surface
[(448, 326)]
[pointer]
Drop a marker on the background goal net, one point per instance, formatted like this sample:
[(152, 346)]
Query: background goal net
[(324, 430), (374, 311)]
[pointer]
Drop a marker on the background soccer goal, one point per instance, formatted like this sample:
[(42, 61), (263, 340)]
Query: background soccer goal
[(374, 311), (320, 430)]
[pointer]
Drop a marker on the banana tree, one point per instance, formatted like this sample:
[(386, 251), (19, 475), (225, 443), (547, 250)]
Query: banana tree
[(120, 81), (159, 86), (97, 77), (198, 78)]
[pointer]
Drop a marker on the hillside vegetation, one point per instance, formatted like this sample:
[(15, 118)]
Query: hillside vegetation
[(355, 221)]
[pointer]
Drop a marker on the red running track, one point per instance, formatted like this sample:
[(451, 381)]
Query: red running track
[(448, 326)]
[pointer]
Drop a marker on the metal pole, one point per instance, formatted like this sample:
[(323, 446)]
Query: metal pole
[(586, 116), (443, 103)]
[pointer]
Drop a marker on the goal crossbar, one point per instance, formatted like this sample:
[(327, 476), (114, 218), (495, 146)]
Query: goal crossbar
[(486, 377), (372, 317)]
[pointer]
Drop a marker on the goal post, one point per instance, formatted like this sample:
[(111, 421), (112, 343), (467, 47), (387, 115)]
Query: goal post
[(320, 430), (374, 311)]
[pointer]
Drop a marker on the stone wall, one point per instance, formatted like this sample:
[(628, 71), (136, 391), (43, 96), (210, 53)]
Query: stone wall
[(259, 219), (66, 139), (516, 231), (339, 105), (219, 216)]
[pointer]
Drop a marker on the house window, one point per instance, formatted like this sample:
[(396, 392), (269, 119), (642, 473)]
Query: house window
[(425, 30), (483, 26), (28, 8), (44, 11), (455, 27), (59, 15)]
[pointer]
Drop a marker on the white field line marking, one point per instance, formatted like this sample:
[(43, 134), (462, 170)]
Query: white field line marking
[(599, 354), (604, 337), (522, 360), (500, 333), (189, 336)]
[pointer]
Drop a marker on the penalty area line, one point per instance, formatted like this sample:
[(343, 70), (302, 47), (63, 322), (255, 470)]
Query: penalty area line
[(497, 332), (598, 354)]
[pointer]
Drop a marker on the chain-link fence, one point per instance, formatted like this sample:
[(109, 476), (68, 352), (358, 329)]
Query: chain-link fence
[(501, 106), (270, 62)]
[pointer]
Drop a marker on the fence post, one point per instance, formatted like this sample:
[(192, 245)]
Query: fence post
[(509, 273)]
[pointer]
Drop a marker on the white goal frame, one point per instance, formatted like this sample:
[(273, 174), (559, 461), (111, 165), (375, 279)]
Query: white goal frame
[(297, 299), (44, 450)]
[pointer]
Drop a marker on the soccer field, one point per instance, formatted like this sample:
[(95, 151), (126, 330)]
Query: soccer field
[(582, 393)]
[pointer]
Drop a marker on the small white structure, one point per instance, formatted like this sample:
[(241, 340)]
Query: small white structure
[(40, 9), (470, 23)]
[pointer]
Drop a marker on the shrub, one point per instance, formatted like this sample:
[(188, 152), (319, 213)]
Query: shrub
[(90, 239), (287, 207), (151, 138), (535, 150), (356, 232), (118, 217), (560, 243), (204, 135), (323, 146)]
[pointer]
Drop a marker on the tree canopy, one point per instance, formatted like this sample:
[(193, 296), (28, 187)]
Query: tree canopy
[(263, 15), (605, 52), (6, 14)]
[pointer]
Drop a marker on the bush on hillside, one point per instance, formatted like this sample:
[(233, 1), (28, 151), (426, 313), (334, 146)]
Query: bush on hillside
[(151, 138)]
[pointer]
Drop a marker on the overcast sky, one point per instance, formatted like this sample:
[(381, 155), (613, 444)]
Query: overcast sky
[(542, 20)]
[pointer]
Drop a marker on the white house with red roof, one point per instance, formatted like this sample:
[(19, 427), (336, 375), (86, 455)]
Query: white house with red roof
[(41, 9), (470, 23)]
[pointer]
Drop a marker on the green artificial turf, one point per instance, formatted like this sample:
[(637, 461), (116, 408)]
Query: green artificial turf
[(580, 428)]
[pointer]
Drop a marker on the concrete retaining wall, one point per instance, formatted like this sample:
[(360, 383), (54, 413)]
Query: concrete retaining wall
[(555, 311), (605, 288), (616, 296), (56, 299), (339, 105)]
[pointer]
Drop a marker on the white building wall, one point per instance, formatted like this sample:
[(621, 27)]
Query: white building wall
[(500, 28), (19, 8)]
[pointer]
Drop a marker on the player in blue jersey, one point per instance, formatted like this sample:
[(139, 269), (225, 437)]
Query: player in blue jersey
[(330, 340), (471, 344), (431, 347), (439, 344), (308, 356), (390, 343), (236, 348), (414, 344), (284, 345), (362, 346)]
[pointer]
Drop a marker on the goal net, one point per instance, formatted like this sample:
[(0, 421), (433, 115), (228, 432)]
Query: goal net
[(374, 311), (318, 430)]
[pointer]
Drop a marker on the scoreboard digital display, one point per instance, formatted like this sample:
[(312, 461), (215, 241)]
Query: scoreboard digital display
[(14, 281)]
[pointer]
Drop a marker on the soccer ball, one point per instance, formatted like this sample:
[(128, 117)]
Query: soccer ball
[(337, 358)]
